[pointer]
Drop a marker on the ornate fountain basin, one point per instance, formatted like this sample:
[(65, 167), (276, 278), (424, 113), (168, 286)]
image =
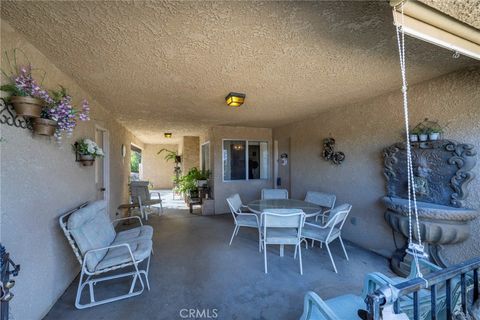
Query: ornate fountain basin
[(439, 224)]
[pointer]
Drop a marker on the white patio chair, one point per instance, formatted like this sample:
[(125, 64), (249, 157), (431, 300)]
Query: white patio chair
[(325, 200), (274, 194), (330, 231), (283, 227), (99, 249), (241, 218), (139, 194)]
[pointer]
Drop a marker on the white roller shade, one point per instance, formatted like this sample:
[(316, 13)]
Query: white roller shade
[(428, 24)]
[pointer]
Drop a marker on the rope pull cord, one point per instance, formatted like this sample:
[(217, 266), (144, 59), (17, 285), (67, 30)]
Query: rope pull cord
[(416, 250)]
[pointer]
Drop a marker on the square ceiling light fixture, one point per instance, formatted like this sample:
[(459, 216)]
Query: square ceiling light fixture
[(167, 134), (235, 99)]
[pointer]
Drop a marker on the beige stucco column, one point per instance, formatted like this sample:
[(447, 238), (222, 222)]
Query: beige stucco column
[(190, 153)]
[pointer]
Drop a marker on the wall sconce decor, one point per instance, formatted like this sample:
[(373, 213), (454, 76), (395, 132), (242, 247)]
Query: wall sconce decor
[(329, 153), (235, 99), (283, 159)]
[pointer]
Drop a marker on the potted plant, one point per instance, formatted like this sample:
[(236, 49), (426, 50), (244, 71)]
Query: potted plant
[(171, 155), (86, 151), (62, 111), (414, 134), (434, 129), (202, 178), (26, 95)]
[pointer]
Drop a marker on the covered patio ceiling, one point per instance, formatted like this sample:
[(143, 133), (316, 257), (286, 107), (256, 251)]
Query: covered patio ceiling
[(167, 66)]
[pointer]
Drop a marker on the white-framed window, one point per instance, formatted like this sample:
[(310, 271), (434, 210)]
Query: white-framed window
[(245, 160)]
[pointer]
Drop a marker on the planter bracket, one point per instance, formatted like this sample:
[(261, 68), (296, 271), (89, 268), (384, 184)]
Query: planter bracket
[(10, 118)]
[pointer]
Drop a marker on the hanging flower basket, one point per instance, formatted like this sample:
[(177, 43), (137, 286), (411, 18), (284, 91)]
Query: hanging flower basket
[(86, 159), (44, 127), (27, 107)]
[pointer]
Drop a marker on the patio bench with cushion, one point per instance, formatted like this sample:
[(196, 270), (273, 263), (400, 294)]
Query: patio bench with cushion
[(100, 249), (347, 306)]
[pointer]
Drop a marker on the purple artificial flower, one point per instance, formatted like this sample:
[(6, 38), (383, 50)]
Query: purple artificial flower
[(85, 113)]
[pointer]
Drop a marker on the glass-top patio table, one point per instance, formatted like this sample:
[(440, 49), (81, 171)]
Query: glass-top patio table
[(310, 209)]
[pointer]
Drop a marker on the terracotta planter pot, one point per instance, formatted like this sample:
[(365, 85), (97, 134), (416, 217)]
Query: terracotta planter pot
[(44, 127), (86, 160), (27, 107)]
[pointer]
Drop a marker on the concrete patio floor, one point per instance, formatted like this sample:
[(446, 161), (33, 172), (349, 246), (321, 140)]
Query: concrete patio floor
[(194, 268)]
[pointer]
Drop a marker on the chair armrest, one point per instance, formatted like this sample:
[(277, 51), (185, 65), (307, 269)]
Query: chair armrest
[(312, 300), (316, 225), (128, 218), (158, 193), (250, 214)]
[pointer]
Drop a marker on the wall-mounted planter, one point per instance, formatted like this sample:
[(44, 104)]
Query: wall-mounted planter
[(434, 136), (423, 137), (413, 138), (27, 107), (86, 159), (44, 127)]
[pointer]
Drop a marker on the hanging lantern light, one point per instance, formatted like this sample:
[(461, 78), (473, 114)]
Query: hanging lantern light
[(235, 99)]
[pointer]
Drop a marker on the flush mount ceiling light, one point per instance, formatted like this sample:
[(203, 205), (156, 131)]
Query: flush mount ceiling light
[(235, 99), (430, 25), (167, 134)]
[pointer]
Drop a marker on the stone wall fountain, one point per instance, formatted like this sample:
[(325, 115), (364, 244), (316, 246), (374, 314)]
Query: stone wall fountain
[(442, 172)]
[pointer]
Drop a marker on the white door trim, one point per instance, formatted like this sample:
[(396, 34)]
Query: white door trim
[(106, 163)]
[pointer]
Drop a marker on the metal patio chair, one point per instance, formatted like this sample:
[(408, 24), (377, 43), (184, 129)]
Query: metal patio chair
[(141, 196), (282, 227), (330, 231), (241, 218), (325, 200), (99, 250), (274, 194)]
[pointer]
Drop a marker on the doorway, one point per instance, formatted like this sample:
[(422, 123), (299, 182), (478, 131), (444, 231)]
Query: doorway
[(135, 163)]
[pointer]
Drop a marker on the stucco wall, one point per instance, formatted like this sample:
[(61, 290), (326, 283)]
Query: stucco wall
[(155, 168), (362, 131), (39, 181), (190, 153), (248, 190)]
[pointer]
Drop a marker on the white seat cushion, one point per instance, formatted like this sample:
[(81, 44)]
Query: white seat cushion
[(247, 221), (282, 236), (141, 249), (91, 228), (138, 233), (319, 234)]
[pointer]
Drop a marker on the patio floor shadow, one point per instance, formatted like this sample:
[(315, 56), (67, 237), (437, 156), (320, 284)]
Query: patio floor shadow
[(194, 268)]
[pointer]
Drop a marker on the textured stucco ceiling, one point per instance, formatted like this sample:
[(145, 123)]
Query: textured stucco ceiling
[(467, 11), (167, 66)]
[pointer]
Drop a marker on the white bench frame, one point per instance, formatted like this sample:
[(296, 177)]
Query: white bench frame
[(90, 277)]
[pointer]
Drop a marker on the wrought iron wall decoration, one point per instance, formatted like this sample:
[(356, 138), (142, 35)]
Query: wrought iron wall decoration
[(10, 118), (329, 153)]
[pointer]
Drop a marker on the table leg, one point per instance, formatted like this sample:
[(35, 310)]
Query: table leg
[(281, 250)]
